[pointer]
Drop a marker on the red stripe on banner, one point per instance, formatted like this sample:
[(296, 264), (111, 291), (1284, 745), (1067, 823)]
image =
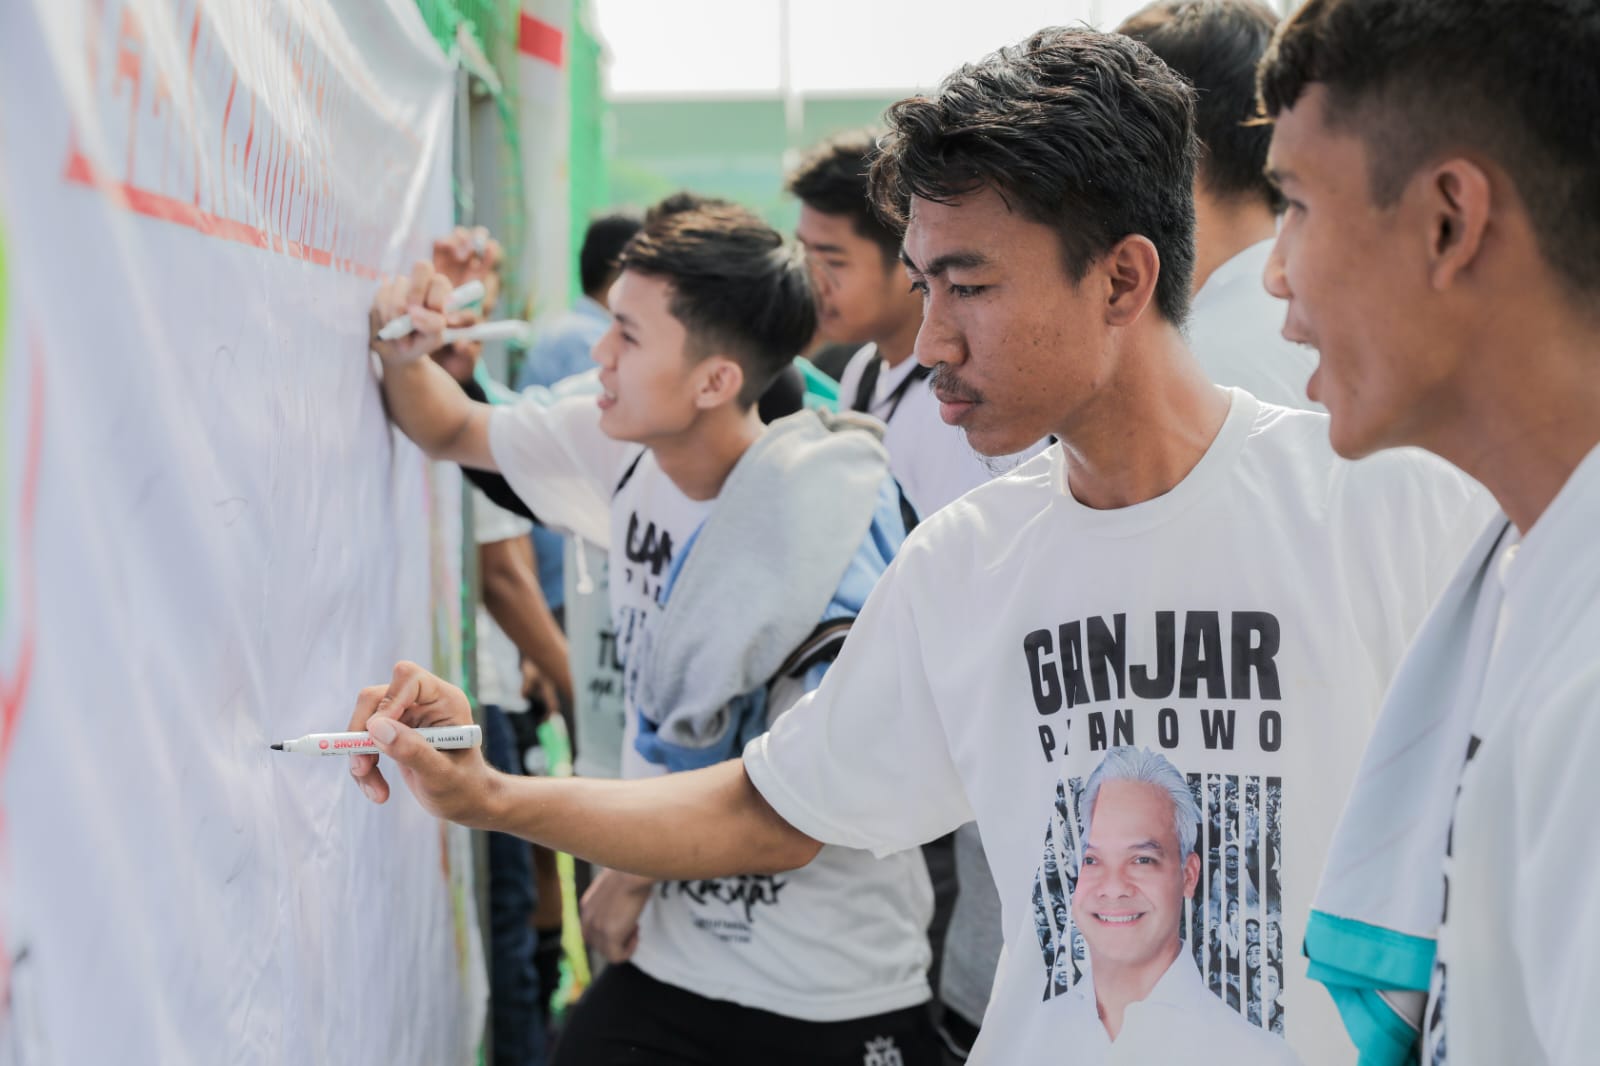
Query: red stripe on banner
[(539, 39), (81, 169)]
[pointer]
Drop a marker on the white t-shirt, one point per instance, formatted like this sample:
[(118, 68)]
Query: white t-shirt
[(1236, 332), (499, 662), (1519, 949), (599, 715), (1181, 1021), (1244, 625), (932, 460), (843, 937)]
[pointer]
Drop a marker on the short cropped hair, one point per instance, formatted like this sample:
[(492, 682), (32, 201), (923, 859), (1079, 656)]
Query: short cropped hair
[(602, 244), (736, 286), (1216, 45), (1088, 133), (834, 178), (1516, 81), (1146, 767)]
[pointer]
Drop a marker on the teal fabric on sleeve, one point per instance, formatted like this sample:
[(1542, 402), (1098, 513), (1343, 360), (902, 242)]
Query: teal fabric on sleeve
[(1358, 962)]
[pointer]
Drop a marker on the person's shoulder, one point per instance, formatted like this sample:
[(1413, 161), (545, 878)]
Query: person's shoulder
[(1394, 477), (995, 508), (1414, 485)]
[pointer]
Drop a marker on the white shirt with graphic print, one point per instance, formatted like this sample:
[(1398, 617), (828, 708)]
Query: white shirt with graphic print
[(1245, 625), (841, 938)]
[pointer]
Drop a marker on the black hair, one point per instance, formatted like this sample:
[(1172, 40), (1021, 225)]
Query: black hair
[(1216, 45), (737, 288), (682, 200), (1517, 81), (1088, 133), (602, 244), (834, 178)]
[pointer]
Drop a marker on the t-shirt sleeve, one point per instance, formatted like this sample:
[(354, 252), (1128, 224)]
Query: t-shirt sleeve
[(863, 761), (1555, 862), (560, 462), (492, 524)]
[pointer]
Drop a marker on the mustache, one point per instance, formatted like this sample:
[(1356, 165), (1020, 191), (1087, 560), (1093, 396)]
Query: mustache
[(947, 386)]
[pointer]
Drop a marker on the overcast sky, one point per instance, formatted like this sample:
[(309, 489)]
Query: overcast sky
[(733, 46)]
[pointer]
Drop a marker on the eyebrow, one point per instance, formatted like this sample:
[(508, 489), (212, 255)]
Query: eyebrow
[(624, 318), (948, 261), (1143, 845), (819, 246), (1277, 176)]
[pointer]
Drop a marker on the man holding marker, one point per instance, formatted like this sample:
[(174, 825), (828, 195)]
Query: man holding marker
[(1189, 569), (699, 504)]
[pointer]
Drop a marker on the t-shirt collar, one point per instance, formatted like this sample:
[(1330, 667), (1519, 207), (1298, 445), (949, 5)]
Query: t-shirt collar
[(1178, 986), (1213, 467)]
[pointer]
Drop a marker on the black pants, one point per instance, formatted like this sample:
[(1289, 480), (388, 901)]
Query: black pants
[(516, 1014), (628, 1017)]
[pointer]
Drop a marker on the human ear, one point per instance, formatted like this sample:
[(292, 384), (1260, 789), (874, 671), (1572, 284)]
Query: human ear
[(1457, 197), (721, 381), (1191, 874), (1132, 267)]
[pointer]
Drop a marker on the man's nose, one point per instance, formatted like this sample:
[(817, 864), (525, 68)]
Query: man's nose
[(938, 339), (1275, 277), (604, 350)]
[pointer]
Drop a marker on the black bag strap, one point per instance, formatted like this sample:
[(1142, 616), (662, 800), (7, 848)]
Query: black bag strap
[(627, 475), (822, 646), (869, 384)]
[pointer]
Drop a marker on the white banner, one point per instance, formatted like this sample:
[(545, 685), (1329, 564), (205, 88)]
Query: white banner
[(210, 538)]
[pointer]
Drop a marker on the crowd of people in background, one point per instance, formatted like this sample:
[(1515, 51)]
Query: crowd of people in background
[(1170, 639)]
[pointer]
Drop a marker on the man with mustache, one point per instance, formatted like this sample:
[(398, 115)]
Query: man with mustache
[(1188, 568)]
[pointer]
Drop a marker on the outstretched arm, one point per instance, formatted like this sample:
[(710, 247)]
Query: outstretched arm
[(423, 400), (698, 824)]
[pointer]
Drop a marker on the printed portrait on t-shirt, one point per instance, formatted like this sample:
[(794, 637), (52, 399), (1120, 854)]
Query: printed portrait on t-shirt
[(1231, 921)]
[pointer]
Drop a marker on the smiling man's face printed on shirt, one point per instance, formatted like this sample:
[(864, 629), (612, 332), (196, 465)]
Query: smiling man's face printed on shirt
[(1132, 883)]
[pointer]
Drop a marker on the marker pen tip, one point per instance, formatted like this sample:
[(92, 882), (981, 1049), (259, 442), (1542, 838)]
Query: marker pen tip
[(277, 747)]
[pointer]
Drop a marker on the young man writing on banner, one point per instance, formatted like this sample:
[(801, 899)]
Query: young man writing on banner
[(1442, 251), (1188, 568), (729, 543)]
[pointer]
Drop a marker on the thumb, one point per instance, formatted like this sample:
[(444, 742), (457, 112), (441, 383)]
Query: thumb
[(402, 744)]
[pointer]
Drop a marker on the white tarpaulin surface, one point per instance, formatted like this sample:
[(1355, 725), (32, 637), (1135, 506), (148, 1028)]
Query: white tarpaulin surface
[(211, 538)]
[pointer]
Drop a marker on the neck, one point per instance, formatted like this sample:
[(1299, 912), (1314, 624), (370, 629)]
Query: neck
[(699, 460), (1113, 458), (1224, 228), (1530, 419), (1118, 984)]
